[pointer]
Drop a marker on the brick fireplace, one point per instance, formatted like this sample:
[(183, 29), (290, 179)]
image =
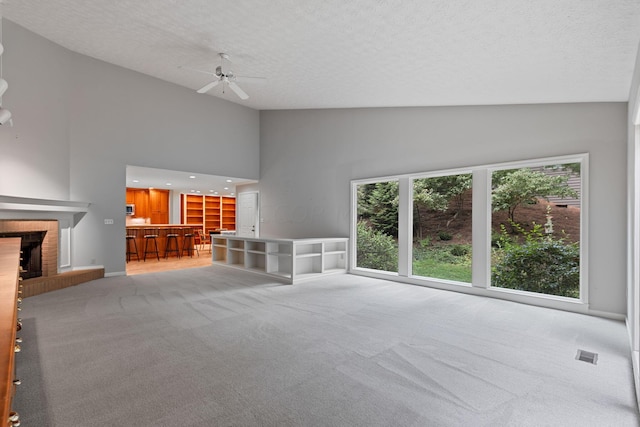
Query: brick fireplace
[(49, 248), (56, 218)]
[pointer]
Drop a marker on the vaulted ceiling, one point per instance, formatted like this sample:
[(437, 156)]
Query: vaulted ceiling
[(360, 53)]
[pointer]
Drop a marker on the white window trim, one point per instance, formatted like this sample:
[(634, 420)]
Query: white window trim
[(481, 234), (583, 159), (354, 232)]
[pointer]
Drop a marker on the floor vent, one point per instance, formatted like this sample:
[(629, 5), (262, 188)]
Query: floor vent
[(587, 356)]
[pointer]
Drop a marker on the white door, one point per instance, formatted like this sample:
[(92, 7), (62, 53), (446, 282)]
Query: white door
[(248, 221)]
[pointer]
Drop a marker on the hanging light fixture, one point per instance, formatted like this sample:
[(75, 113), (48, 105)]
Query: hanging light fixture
[(5, 115)]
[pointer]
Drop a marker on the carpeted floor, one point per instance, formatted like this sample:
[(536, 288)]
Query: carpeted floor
[(219, 347)]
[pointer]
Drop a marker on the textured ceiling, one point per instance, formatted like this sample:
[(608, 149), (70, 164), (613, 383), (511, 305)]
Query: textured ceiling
[(361, 53)]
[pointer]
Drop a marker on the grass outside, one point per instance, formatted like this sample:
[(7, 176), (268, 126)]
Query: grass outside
[(448, 262)]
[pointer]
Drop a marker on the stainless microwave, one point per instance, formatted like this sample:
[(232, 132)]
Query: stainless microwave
[(131, 209)]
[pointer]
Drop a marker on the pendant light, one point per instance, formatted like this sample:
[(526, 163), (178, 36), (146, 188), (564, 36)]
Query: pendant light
[(5, 115)]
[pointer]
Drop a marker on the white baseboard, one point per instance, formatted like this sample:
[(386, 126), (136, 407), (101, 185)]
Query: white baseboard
[(115, 273), (87, 267)]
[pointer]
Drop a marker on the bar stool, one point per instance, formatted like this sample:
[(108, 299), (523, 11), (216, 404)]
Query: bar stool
[(132, 244), (205, 240), (188, 242), (172, 238), (151, 235)]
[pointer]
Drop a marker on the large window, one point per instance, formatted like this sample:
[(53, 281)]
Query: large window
[(442, 225), (535, 229), (377, 226), (523, 222)]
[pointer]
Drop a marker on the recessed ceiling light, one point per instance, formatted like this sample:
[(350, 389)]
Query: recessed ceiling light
[(229, 180), (215, 192), (192, 176), (198, 191), (211, 191), (168, 183), (193, 191), (135, 180), (226, 188), (233, 194)]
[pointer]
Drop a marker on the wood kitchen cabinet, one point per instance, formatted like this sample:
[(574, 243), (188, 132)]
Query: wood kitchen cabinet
[(141, 200), (150, 203), (159, 206)]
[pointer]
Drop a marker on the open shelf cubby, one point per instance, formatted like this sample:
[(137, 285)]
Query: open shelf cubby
[(255, 261), (235, 257), (308, 265), (255, 246), (219, 253)]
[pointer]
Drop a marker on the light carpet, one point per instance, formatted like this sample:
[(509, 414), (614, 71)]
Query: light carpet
[(219, 347)]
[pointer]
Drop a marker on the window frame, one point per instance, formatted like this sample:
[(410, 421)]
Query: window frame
[(584, 165), (481, 233), (353, 240)]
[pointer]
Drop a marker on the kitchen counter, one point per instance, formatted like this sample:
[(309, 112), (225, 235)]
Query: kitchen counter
[(162, 238)]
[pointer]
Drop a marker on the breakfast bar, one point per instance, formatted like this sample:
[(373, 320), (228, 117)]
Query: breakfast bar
[(172, 240)]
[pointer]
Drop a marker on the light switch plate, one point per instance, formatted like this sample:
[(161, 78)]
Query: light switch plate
[(108, 221)]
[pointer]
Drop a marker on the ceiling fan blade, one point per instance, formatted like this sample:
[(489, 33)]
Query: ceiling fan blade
[(234, 87), (196, 70), (208, 86)]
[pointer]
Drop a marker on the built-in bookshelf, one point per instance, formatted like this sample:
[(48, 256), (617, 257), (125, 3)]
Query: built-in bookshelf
[(213, 212), (290, 260), (193, 211), (228, 210)]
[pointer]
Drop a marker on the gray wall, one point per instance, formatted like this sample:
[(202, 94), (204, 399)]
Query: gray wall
[(308, 158), (79, 122)]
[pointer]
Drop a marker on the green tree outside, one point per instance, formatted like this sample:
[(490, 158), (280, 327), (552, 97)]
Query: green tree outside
[(512, 188)]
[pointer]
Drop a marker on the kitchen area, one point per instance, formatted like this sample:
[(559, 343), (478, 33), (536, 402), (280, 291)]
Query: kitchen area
[(169, 228)]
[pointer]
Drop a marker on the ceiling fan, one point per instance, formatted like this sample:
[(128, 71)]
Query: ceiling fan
[(226, 77)]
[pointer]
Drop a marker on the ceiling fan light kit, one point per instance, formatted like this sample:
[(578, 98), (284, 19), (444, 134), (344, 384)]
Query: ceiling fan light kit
[(227, 78)]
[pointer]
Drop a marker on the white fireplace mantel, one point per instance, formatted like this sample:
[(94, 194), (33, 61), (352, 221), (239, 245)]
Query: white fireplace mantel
[(13, 203)]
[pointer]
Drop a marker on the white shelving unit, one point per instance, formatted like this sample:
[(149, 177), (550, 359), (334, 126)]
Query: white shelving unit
[(291, 260)]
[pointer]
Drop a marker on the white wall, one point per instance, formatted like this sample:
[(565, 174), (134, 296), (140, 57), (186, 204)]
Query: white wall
[(84, 120), (308, 158), (34, 154)]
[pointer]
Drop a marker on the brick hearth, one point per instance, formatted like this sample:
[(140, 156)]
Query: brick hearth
[(50, 280)]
